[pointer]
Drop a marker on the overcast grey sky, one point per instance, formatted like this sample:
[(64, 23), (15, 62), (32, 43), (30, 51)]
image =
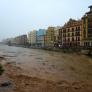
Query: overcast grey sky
[(21, 16)]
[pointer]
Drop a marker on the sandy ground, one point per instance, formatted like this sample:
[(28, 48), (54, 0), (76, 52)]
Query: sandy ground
[(44, 71)]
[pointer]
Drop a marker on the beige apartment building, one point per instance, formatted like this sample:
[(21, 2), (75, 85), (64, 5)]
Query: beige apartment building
[(32, 38), (71, 33)]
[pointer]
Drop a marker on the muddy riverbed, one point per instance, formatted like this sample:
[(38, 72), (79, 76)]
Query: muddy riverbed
[(32, 70)]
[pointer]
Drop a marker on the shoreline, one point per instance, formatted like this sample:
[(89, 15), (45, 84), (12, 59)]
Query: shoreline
[(25, 83), (84, 51), (5, 81)]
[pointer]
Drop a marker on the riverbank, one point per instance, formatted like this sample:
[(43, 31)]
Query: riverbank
[(25, 83), (5, 82), (79, 50), (35, 70)]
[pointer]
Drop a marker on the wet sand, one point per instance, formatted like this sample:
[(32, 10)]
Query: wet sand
[(44, 71)]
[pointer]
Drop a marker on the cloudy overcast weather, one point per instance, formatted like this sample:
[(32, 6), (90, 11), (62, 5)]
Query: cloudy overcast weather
[(21, 16)]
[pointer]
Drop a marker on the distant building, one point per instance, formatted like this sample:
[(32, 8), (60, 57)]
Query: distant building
[(60, 37), (32, 40), (87, 29), (71, 33), (49, 38), (20, 40), (57, 37), (8, 41), (41, 37), (29, 38)]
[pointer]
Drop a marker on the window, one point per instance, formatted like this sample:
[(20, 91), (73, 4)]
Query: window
[(72, 34), (68, 39), (87, 44), (72, 39), (72, 29), (68, 30), (78, 38), (68, 34), (78, 28)]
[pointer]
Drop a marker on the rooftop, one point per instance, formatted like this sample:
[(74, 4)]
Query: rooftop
[(90, 6), (72, 23)]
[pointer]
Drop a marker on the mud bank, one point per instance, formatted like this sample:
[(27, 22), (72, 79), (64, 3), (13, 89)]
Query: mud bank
[(25, 83), (5, 81)]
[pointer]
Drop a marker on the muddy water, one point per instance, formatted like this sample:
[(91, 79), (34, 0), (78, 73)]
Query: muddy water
[(49, 65)]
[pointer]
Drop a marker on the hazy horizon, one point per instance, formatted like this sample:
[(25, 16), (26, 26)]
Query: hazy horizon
[(21, 16)]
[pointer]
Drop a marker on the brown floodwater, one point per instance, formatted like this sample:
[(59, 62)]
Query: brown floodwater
[(49, 65)]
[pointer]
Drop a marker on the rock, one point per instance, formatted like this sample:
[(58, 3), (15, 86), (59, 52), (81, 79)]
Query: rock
[(5, 84), (1, 57)]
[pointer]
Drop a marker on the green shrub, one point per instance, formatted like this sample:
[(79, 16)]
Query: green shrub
[(1, 69)]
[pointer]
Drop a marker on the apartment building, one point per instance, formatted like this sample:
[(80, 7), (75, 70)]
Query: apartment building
[(32, 39), (41, 38), (20, 40), (57, 36), (49, 37), (87, 29), (71, 33)]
